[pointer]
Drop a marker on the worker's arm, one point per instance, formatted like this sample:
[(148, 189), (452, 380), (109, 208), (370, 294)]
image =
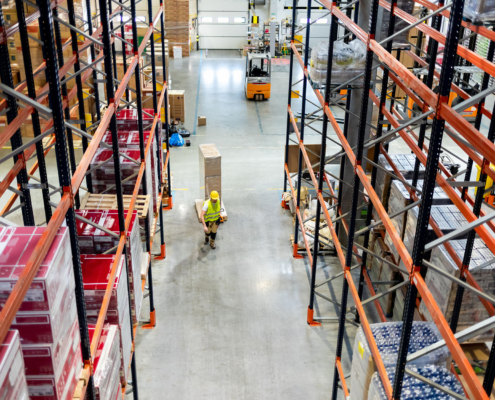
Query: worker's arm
[(203, 212)]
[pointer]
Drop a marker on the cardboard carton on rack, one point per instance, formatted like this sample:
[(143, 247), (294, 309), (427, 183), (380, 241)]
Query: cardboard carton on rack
[(13, 385), (52, 387), (16, 246), (50, 359)]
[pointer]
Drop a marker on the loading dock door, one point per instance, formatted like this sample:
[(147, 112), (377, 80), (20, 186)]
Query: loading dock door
[(222, 24)]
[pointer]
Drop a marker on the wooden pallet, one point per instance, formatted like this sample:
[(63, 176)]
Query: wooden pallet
[(109, 202)]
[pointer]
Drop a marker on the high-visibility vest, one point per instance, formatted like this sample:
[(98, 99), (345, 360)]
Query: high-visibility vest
[(213, 212)]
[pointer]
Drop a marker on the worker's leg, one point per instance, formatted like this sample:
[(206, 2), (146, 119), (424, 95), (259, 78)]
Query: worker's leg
[(207, 234), (213, 227)]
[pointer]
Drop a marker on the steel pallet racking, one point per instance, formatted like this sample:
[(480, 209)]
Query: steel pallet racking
[(59, 130), (433, 106)]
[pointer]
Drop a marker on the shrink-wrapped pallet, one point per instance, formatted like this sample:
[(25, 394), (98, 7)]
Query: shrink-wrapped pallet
[(444, 290), (387, 337)]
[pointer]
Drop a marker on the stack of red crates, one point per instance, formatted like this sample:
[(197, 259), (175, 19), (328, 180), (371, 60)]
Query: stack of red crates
[(93, 240), (96, 270), (47, 318)]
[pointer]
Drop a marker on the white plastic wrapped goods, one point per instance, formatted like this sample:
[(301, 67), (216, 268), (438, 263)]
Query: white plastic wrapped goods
[(479, 11), (444, 290), (387, 336), (413, 388)]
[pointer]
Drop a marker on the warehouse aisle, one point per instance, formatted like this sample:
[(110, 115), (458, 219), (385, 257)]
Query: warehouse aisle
[(232, 321)]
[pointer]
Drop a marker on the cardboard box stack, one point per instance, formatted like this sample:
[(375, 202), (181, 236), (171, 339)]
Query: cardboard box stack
[(104, 177), (382, 271), (47, 319), (177, 24), (96, 241), (387, 335), (405, 164), (13, 385), (210, 170), (96, 270), (176, 103), (130, 141), (444, 290), (107, 363)]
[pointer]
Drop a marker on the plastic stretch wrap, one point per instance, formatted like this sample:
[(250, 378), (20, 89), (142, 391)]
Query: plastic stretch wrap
[(107, 363), (348, 61), (413, 388), (444, 290), (13, 384), (479, 11), (387, 336)]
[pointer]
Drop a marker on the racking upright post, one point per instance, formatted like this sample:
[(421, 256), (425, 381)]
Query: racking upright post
[(80, 96), (446, 77), (108, 53), (159, 141), (137, 75), (35, 115), (301, 139), (124, 50), (428, 80), (355, 191), (52, 73), (321, 175), (289, 101), (95, 76), (60, 58), (16, 139)]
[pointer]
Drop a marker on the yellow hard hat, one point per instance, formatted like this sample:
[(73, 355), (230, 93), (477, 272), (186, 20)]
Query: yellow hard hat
[(214, 195)]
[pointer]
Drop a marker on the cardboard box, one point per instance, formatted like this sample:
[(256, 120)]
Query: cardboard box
[(52, 387), (49, 359), (201, 121), (213, 183), (293, 162), (13, 385), (17, 245), (177, 105), (210, 160)]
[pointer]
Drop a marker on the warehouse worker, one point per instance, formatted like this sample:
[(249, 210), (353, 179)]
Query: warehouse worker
[(210, 217)]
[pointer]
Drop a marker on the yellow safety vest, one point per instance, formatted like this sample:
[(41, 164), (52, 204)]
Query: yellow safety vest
[(213, 212)]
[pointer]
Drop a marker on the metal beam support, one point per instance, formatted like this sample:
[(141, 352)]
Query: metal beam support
[(289, 101)]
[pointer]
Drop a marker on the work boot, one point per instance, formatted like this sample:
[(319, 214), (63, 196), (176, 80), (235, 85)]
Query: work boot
[(212, 245), (207, 239)]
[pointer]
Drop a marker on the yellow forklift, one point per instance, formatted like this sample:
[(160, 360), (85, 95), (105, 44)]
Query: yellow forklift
[(258, 73)]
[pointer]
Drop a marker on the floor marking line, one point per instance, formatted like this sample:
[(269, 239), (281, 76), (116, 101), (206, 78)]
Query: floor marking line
[(197, 92), (259, 118)]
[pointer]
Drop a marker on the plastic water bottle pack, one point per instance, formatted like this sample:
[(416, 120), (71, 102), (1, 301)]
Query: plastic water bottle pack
[(387, 337), (414, 389)]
